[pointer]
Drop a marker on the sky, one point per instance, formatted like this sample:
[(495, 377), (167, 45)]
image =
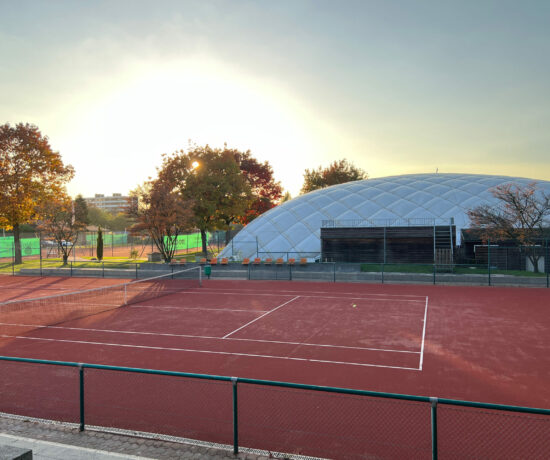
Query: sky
[(396, 87)]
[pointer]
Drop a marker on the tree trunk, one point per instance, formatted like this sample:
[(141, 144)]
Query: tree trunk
[(65, 257), (534, 258), (17, 245), (203, 238), (228, 236)]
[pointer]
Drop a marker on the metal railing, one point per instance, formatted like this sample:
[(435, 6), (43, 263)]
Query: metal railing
[(401, 222), (269, 415)]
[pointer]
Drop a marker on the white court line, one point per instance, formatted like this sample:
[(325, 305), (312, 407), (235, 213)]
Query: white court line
[(260, 317), (187, 336), (210, 352), (290, 292), (423, 336), (303, 295), (156, 307), (305, 291)]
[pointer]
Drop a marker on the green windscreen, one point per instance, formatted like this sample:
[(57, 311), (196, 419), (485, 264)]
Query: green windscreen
[(29, 246), (190, 241)]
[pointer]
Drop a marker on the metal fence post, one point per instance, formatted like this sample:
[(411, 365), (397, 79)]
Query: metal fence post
[(40, 251), (289, 271), (235, 417), (489, 261), (434, 428), (13, 259), (547, 263), (136, 271), (434, 273), (103, 271), (71, 269), (334, 271), (382, 273), (81, 393)]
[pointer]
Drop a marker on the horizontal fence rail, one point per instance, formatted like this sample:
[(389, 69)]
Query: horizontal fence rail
[(401, 222), (301, 419)]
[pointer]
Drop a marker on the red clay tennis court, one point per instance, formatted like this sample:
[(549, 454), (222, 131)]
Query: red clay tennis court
[(469, 343)]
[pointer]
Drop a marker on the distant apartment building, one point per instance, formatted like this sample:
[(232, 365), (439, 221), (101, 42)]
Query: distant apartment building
[(114, 204)]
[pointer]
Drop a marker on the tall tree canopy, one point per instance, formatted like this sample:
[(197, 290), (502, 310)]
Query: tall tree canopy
[(521, 214), (30, 173), (212, 180), (337, 172)]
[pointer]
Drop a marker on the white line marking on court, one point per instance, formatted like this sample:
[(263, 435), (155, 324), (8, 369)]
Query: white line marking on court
[(423, 335), (187, 336), (307, 295), (193, 308), (260, 317), (239, 290), (250, 355)]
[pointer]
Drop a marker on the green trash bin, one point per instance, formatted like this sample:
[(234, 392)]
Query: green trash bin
[(208, 270)]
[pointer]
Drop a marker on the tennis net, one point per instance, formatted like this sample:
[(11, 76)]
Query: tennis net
[(20, 316)]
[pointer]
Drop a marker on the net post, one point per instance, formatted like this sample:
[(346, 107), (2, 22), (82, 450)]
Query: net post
[(200, 277), (81, 395), (235, 417)]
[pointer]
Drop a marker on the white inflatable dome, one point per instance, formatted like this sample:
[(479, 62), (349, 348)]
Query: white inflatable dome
[(294, 226)]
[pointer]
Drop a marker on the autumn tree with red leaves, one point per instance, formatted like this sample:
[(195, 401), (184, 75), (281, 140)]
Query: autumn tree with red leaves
[(266, 192)]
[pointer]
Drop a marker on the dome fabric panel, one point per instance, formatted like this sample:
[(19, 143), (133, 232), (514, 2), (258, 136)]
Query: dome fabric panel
[(294, 226)]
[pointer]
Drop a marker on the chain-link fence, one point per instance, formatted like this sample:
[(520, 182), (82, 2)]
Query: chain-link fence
[(37, 247), (285, 419)]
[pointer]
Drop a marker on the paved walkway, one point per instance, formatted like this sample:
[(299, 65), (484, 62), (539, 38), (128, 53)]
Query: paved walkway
[(50, 441)]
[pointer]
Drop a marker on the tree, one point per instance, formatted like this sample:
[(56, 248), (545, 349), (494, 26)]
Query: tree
[(59, 220), (266, 192), (337, 172), (520, 214), (107, 220), (30, 172), (161, 213), (99, 244), (212, 180), (81, 210)]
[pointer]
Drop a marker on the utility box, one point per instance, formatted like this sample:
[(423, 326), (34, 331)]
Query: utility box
[(154, 257)]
